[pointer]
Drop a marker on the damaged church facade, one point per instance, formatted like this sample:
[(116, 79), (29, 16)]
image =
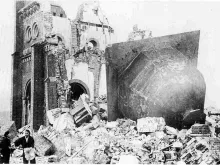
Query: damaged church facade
[(56, 59)]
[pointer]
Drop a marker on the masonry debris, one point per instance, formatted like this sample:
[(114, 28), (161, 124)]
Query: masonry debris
[(147, 141)]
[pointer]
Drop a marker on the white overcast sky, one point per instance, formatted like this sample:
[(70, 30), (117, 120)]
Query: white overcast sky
[(161, 17)]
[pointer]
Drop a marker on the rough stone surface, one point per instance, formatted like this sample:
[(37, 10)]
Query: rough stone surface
[(155, 77), (51, 58), (65, 121), (43, 146)]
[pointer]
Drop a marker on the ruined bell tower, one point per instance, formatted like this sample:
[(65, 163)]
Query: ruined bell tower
[(56, 59)]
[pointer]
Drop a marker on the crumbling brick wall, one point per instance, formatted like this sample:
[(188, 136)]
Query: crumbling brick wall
[(56, 53)]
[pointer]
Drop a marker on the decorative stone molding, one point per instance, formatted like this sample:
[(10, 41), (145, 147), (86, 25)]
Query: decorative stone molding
[(27, 51), (31, 32), (26, 59), (28, 34), (51, 38), (35, 30), (29, 10)]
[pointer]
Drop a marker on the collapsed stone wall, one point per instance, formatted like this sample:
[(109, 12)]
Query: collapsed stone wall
[(67, 67)]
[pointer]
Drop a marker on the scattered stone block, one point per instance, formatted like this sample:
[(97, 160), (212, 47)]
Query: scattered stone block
[(103, 107), (53, 159), (65, 121), (43, 146), (171, 130), (94, 110), (200, 130), (53, 114), (170, 155), (112, 124), (150, 124), (177, 144), (76, 160), (128, 159), (81, 113), (78, 105), (65, 110), (68, 147)]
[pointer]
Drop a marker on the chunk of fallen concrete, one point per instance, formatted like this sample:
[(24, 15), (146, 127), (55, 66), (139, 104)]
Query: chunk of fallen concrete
[(210, 121), (77, 160), (85, 100), (53, 114), (43, 146), (78, 106), (103, 107), (94, 109), (171, 130), (182, 134), (67, 141), (95, 120), (53, 159), (170, 155), (180, 163), (200, 130), (112, 124), (89, 150), (81, 112), (150, 124), (65, 121), (128, 159), (65, 110), (177, 144)]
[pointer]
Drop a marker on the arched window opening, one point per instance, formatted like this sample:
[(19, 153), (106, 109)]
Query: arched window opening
[(92, 44), (77, 89)]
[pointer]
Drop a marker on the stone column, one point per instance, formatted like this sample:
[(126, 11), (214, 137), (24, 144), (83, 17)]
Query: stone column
[(37, 87), (16, 91), (23, 110), (50, 80)]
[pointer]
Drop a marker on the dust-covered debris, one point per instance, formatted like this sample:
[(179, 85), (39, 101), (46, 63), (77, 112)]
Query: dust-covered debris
[(150, 124), (43, 146), (147, 141)]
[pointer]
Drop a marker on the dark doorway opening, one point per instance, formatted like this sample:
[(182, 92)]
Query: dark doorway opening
[(77, 89), (27, 103)]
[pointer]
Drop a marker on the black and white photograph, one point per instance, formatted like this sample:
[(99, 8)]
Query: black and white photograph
[(109, 82)]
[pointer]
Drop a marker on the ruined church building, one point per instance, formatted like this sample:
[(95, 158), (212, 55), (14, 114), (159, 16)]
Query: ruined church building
[(56, 59)]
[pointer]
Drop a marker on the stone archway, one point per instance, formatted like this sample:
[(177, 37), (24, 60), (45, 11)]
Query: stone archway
[(78, 87), (94, 42)]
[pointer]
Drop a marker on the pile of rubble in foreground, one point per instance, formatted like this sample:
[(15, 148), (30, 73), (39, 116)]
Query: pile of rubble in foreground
[(149, 141)]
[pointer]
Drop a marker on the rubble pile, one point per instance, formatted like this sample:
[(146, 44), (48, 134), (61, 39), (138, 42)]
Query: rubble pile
[(147, 141), (213, 120)]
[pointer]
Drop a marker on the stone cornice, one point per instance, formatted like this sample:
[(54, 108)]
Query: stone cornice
[(29, 10), (97, 25)]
